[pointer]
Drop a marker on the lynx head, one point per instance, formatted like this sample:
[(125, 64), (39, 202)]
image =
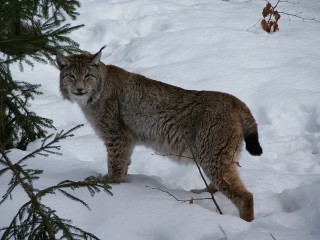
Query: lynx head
[(81, 77)]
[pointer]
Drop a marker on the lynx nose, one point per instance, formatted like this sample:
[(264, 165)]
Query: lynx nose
[(80, 90)]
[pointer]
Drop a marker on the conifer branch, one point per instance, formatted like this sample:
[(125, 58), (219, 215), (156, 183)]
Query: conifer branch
[(34, 220), (30, 31), (50, 144)]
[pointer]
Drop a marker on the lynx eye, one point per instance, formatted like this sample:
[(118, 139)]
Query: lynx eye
[(87, 76), (72, 76)]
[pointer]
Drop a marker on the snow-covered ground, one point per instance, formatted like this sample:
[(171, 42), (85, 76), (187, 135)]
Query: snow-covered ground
[(204, 45)]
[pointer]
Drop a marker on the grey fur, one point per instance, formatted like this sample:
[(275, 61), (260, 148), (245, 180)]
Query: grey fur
[(127, 109)]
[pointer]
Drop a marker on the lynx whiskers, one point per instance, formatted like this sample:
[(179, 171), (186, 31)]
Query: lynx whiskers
[(127, 109)]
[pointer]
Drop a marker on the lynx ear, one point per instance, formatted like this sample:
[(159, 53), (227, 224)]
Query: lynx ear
[(97, 56), (62, 61)]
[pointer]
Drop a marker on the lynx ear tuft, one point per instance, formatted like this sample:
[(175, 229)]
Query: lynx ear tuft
[(62, 61), (97, 56)]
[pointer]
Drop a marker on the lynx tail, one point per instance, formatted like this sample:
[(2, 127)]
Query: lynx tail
[(252, 144)]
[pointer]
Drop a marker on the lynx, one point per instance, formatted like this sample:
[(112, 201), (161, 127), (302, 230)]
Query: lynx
[(127, 109)]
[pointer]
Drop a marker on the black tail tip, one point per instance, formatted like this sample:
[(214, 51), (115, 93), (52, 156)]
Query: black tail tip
[(253, 145)]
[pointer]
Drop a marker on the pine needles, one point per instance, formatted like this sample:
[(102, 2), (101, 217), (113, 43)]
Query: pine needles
[(35, 220), (34, 30)]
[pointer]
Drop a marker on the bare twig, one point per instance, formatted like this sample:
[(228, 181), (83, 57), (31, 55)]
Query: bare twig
[(253, 26), (174, 155), (207, 185), (296, 15), (273, 8), (201, 174), (273, 237), (223, 232), (177, 199)]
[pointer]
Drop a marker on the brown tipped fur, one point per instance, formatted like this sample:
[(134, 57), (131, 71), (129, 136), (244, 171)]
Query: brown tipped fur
[(127, 109)]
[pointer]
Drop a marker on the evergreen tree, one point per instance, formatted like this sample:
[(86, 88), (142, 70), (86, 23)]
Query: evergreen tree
[(29, 30), (35, 30)]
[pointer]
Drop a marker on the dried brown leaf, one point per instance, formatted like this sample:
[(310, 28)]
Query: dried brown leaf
[(267, 10), (276, 16), (265, 26)]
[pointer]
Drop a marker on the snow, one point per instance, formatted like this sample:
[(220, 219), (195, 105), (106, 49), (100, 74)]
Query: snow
[(203, 45)]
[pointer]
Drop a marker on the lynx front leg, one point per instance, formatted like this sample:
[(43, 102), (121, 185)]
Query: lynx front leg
[(119, 151)]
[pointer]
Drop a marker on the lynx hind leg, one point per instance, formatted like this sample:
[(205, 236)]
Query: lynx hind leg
[(223, 171), (233, 188)]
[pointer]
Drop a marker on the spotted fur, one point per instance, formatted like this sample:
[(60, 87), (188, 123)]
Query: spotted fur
[(127, 109)]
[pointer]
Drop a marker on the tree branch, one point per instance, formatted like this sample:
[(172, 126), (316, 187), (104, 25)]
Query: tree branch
[(34, 220), (33, 198), (177, 199)]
